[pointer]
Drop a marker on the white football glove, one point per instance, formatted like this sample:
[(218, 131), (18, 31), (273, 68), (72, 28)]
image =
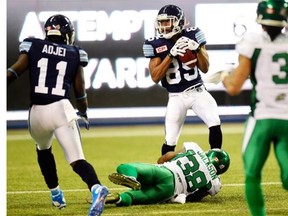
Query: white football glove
[(219, 76), (189, 43), (180, 198), (178, 48), (84, 118)]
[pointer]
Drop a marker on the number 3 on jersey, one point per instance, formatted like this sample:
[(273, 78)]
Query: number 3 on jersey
[(58, 89)]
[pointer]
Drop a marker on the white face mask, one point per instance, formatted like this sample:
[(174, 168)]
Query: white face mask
[(167, 26)]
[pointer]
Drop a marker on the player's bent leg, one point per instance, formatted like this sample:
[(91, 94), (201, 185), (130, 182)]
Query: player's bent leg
[(174, 120), (281, 149), (124, 180), (126, 199), (86, 171), (215, 137), (69, 139), (128, 170), (255, 154), (281, 152), (254, 196), (166, 148), (47, 166)]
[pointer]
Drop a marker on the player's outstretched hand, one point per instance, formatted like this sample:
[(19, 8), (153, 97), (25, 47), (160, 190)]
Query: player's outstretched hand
[(219, 75), (85, 119)]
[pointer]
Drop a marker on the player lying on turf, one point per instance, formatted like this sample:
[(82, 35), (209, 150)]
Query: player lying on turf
[(186, 175)]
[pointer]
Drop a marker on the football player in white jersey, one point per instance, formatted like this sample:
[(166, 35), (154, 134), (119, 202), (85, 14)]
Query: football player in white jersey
[(176, 176), (264, 58), (55, 64), (184, 84)]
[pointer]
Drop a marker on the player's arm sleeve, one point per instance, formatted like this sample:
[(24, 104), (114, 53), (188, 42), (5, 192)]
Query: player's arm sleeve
[(216, 186), (200, 37), (148, 50), (83, 57), (25, 46)]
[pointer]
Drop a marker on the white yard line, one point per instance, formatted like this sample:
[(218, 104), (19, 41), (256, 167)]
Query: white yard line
[(140, 131), (117, 189)]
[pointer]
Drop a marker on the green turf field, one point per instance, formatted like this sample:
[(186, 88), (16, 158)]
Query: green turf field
[(107, 147)]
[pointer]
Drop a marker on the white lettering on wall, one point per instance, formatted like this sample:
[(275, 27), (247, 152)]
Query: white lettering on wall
[(128, 72), (95, 25)]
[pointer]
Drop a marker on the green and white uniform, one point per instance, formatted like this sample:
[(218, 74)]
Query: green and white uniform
[(193, 170), (269, 74), (184, 175), (268, 120)]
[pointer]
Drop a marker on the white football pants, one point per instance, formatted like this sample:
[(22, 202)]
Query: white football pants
[(199, 100), (59, 119)]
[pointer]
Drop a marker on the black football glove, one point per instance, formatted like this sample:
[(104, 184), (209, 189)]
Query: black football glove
[(197, 196)]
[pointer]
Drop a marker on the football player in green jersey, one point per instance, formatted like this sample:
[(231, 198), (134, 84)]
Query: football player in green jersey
[(177, 176), (264, 58)]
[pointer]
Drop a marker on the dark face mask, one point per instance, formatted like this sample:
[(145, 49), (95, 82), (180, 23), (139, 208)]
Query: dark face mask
[(273, 31)]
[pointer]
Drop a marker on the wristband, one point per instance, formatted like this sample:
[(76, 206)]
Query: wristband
[(170, 55), (82, 97), (198, 49), (13, 72), (81, 114)]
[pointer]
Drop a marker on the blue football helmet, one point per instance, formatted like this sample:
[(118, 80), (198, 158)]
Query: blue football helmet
[(175, 18), (58, 28)]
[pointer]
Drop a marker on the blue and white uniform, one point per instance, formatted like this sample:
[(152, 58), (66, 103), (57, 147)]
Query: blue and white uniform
[(184, 85), (52, 69), (179, 76)]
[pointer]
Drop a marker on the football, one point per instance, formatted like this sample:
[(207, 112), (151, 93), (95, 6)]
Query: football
[(189, 58)]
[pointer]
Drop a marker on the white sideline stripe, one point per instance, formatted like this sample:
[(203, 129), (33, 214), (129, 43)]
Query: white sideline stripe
[(117, 189), (188, 212), (133, 112), (189, 130)]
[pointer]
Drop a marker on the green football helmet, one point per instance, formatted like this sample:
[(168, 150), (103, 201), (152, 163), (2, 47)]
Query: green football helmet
[(220, 159), (272, 13)]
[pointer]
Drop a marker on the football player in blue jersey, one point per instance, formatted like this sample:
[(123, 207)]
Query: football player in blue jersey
[(184, 84), (55, 64)]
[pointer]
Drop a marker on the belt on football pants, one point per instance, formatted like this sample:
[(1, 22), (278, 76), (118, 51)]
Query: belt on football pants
[(191, 88)]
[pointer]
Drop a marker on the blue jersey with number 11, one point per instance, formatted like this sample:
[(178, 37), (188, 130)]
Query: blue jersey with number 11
[(52, 68)]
